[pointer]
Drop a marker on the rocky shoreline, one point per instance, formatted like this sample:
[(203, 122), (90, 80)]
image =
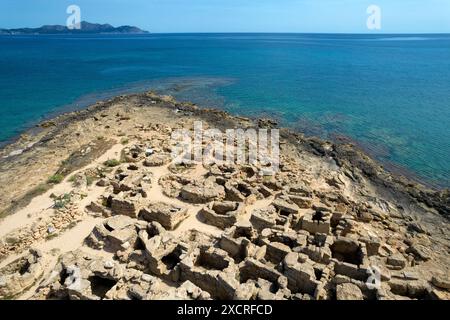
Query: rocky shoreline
[(346, 153), (141, 228)]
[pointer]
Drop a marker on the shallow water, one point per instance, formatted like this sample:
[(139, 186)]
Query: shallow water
[(389, 92)]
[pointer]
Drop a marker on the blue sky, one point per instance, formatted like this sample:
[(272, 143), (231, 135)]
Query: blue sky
[(335, 16)]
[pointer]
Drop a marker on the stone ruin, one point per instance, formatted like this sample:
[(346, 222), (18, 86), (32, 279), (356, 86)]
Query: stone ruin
[(303, 244), (169, 216), (245, 262), (222, 214), (80, 276), (21, 274), (195, 191)]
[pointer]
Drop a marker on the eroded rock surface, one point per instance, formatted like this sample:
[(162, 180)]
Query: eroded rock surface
[(319, 228)]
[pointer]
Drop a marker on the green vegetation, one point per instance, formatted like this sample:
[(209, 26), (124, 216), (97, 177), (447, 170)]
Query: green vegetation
[(112, 163), (90, 180), (55, 179), (61, 201), (76, 179), (51, 236), (124, 141)]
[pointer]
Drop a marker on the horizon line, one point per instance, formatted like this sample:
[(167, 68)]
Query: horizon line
[(248, 32), (292, 32), (243, 32), (253, 32)]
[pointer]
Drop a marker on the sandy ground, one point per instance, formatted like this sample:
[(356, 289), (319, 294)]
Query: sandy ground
[(42, 205)]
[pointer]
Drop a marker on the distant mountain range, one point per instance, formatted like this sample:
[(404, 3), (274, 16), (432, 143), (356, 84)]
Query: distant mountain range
[(86, 28)]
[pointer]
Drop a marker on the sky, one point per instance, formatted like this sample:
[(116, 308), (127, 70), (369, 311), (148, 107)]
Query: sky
[(168, 16)]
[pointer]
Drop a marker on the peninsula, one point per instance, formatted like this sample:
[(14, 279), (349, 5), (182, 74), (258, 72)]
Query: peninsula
[(106, 215), (86, 28)]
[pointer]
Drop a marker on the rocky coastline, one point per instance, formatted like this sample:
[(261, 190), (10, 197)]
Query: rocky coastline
[(89, 213)]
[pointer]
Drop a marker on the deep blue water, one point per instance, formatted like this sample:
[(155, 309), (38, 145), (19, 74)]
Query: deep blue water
[(390, 93)]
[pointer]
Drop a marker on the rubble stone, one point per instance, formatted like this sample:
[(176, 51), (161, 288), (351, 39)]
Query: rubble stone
[(157, 160), (222, 214), (316, 222), (123, 207), (169, 216), (265, 218), (202, 193), (21, 274), (348, 291)]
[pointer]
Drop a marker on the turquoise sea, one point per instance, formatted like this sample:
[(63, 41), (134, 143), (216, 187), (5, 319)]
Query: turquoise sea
[(389, 93)]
